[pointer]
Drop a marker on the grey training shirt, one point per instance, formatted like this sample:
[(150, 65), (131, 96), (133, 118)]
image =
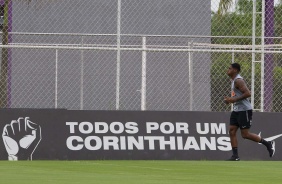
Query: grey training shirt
[(242, 105)]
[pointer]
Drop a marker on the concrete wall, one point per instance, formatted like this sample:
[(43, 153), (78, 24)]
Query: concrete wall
[(33, 71)]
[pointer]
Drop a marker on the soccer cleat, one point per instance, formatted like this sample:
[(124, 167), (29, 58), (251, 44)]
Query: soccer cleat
[(234, 158), (271, 148)]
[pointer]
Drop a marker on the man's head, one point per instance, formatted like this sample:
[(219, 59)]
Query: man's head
[(233, 69)]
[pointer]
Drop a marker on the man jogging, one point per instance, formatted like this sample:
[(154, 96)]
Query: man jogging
[(241, 116)]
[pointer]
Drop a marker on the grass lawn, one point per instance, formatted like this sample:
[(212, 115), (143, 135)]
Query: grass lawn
[(140, 172)]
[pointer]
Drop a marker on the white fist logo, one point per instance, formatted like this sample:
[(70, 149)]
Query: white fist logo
[(21, 137)]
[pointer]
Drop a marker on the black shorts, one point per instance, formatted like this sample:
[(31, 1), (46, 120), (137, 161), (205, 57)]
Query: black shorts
[(242, 119)]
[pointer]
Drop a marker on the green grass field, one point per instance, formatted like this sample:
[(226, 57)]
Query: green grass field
[(140, 172)]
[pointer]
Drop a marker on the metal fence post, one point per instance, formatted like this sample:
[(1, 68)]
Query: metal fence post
[(81, 76), (253, 55), (190, 57), (56, 79), (233, 61), (118, 54), (262, 54), (144, 75)]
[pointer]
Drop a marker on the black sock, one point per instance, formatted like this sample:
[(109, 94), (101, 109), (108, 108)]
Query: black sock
[(235, 151), (264, 142)]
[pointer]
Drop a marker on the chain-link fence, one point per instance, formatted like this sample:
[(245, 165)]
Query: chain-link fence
[(138, 55)]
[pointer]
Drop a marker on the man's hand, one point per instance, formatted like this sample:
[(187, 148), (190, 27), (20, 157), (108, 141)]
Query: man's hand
[(21, 137), (229, 100)]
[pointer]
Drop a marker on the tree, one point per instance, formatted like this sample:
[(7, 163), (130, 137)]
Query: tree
[(242, 6), (239, 24), (224, 6)]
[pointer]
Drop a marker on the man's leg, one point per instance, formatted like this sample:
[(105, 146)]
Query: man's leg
[(247, 135), (234, 143), (232, 133), (269, 145), (245, 122)]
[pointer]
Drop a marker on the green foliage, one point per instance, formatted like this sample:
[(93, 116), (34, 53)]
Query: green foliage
[(242, 6), (221, 83), (277, 97), (278, 22), (246, 6), (236, 24)]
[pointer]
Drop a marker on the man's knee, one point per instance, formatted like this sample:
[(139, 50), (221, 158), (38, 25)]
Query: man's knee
[(232, 131), (245, 134)]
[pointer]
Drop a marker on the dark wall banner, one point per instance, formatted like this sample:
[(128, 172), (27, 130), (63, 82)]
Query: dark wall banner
[(46, 134)]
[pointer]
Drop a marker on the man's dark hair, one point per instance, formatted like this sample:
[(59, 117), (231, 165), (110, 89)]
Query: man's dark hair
[(236, 66)]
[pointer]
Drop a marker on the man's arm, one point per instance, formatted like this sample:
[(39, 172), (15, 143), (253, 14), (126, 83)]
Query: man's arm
[(241, 85)]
